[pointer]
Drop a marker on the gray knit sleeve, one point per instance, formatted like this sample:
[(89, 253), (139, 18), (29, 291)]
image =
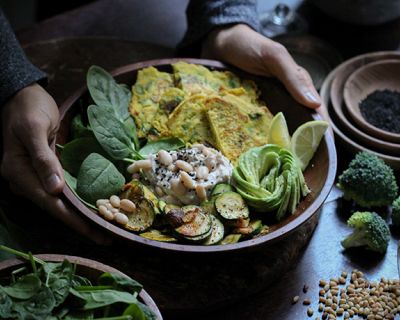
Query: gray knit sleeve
[(16, 71), (205, 15)]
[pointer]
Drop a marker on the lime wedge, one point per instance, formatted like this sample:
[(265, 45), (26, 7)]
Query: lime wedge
[(278, 131), (306, 139)]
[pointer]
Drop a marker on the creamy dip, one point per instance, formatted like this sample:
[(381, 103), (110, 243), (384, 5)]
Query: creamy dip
[(187, 176)]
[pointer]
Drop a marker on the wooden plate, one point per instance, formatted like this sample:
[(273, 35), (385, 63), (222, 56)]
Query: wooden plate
[(378, 75), (350, 142), (342, 72), (90, 269), (319, 175)]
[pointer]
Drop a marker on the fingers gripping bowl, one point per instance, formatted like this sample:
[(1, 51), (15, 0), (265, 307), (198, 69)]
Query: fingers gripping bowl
[(319, 175)]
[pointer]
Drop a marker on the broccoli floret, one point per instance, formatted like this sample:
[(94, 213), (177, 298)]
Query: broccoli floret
[(368, 181), (396, 212), (370, 231)]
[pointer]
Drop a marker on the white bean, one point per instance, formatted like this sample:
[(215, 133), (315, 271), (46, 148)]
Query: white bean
[(127, 205), (115, 201), (201, 192), (114, 211), (140, 164), (171, 167), (108, 215), (211, 163), (186, 180), (183, 165), (101, 202), (109, 206), (121, 218), (159, 191), (206, 151), (202, 172), (164, 157), (178, 188), (102, 210)]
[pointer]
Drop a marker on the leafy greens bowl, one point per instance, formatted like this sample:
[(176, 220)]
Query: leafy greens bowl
[(57, 270), (319, 174)]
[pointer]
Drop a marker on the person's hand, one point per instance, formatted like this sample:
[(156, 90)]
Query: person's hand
[(246, 49), (30, 122)]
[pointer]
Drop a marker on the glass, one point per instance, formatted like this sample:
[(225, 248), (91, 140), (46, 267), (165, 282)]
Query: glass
[(282, 20)]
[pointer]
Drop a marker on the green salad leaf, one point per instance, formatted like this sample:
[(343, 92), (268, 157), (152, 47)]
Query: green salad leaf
[(167, 144)]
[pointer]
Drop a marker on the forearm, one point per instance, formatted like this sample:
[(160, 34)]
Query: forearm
[(206, 15), (16, 71)]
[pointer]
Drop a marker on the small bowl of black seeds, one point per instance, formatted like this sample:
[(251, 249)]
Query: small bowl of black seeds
[(372, 98)]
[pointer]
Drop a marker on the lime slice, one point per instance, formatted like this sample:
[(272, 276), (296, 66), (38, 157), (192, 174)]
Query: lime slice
[(278, 131), (306, 139)]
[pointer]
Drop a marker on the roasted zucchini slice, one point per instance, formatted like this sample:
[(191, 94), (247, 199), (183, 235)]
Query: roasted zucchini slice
[(142, 218), (157, 235), (217, 232), (230, 205), (209, 206), (196, 222), (231, 238), (133, 191), (221, 188)]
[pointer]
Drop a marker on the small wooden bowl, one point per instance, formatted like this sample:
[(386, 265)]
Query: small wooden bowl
[(350, 142), (336, 97), (319, 175), (379, 75), (85, 267)]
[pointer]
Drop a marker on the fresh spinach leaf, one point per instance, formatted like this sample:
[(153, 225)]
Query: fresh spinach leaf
[(80, 315), (119, 282), (130, 127), (110, 133), (147, 311), (98, 178), (71, 183), (6, 306), (135, 311), (24, 288), (78, 129), (75, 151), (94, 299), (162, 144)]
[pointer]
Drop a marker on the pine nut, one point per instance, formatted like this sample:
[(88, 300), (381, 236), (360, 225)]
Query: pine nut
[(183, 165), (178, 188), (121, 218), (186, 180), (115, 201), (164, 157), (140, 164), (202, 172), (127, 206), (201, 192), (211, 164)]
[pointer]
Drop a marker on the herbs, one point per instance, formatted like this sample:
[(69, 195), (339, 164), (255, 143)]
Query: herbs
[(53, 290)]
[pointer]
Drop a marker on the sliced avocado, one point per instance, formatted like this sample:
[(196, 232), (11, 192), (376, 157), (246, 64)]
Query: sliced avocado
[(221, 188), (230, 205)]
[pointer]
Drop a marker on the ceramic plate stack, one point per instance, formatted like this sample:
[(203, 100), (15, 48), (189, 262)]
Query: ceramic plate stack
[(342, 91)]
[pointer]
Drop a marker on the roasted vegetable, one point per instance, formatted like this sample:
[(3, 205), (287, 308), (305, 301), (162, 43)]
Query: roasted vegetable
[(231, 206)]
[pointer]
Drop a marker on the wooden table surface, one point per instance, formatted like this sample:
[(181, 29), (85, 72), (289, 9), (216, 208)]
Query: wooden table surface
[(322, 258)]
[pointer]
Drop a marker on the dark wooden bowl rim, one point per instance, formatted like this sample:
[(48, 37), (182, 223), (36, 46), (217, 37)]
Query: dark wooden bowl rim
[(271, 237), (84, 262)]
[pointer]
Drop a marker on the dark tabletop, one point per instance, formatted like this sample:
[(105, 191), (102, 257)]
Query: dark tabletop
[(321, 258)]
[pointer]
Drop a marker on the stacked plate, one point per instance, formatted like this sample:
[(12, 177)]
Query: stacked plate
[(342, 92)]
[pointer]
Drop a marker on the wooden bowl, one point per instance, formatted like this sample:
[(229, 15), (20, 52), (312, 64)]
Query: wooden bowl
[(342, 72), (347, 141), (379, 75), (85, 267), (319, 175)]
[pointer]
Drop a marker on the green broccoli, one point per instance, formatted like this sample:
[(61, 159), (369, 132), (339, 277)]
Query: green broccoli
[(370, 231), (368, 181), (396, 212)]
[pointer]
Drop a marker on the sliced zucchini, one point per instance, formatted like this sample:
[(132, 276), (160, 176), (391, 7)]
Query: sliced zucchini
[(209, 206), (133, 191), (149, 195), (161, 205), (230, 205), (196, 222), (155, 234), (142, 218), (257, 226), (174, 217), (169, 207), (231, 238), (217, 232), (199, 238), (263, 231), (238, 223), (221, 188)]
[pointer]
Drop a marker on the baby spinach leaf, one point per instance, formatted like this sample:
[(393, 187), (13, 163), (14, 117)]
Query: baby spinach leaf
[(6, 306), (105, 91), (135, 311), (162, 144), (38, 307), (98, 178), (79, 315), (71, 183), (99, 298), (110, 133), (78, 129), (75, 151), (119, 282), (147, 311), (24, 288)]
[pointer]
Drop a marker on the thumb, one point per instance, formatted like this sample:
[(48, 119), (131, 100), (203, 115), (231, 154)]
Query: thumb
[(46, 164)]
